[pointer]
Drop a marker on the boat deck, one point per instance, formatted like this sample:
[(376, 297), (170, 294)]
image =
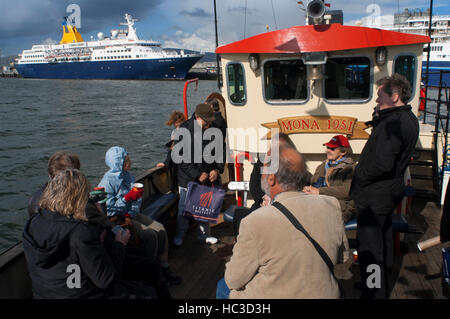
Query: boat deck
[(416, 275)]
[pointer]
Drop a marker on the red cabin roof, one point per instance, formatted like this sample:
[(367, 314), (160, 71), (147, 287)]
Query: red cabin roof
[(317, 38)]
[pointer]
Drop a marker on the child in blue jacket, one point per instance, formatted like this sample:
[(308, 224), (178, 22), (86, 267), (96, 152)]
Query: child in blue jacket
[(124, 201)]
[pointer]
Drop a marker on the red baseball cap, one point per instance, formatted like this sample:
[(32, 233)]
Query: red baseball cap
[(337, 141)]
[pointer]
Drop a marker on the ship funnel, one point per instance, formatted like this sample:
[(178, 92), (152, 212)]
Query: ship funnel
[(315, 9)]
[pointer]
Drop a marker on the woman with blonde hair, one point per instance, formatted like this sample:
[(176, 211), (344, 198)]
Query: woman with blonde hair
[(66, 256)]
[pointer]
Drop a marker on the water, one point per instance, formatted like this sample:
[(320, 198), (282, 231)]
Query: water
[(40, 117)]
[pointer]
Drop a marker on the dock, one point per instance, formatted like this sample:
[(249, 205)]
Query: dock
[(203, 71), (417, 275)]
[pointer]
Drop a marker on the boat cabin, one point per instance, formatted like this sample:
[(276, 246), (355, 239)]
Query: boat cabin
[(313, 82)]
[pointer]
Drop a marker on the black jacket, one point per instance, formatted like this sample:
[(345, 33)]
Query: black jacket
[(378, 179), (188, 170), (255, 185), (33, 203), (52, 242)]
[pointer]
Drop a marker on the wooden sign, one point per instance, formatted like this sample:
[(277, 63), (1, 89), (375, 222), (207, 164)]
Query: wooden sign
[(320, 124)]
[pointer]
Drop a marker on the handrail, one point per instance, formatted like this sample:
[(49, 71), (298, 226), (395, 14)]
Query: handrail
[(185, 95), (238, 166)]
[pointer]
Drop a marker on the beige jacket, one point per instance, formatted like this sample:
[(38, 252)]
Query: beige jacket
[(272, 259)]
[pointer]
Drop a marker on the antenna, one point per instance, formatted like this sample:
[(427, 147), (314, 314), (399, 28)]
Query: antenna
[(245, 17), (274, 18)]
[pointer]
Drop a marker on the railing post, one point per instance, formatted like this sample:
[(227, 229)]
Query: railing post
[(238, 170), (437, 129), (185, 95)]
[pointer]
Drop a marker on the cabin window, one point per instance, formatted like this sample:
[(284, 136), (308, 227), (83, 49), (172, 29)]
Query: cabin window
[(285, 80), (406, 66), (236, 83), (347, 78)]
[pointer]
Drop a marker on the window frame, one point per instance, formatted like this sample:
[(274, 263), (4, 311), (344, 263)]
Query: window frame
[(281, 102), (228, 83), (413, 85), (353, 101)]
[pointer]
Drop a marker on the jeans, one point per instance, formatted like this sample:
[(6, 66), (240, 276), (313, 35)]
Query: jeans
[(222, 290), (183, 222)]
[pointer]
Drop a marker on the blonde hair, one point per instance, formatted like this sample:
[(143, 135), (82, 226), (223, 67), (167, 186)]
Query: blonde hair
[(67, 193)]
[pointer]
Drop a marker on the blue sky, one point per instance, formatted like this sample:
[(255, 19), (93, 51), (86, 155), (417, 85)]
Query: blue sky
[(175, 23)]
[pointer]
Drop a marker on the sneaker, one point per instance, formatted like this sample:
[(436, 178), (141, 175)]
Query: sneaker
[(169, 277), (211, 240)]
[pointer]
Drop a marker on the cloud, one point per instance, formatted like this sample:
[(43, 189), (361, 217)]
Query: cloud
[(30, 17), (197, 13)]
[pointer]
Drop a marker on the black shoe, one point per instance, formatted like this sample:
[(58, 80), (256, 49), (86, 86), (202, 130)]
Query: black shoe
[(169, 277)]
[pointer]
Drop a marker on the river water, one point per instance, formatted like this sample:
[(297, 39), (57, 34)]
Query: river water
[(40, 117)]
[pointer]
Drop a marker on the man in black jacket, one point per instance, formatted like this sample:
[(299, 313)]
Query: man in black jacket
[(189, 153), (378, 183)]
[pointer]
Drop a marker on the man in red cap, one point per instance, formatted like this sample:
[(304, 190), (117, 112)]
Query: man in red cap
[(334, 176), (378, 183)]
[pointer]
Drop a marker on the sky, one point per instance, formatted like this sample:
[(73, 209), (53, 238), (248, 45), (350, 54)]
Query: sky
[(187, 24)]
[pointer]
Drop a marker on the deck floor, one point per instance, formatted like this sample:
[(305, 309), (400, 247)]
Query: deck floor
[(416, 275)]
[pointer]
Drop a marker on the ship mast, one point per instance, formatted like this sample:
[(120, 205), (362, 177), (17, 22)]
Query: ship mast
[(132, 35)]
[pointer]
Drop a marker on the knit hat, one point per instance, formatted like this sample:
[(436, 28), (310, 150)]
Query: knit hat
[(205, 112)]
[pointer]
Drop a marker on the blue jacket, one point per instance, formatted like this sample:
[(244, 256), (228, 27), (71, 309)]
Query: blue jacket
[(117, 184)]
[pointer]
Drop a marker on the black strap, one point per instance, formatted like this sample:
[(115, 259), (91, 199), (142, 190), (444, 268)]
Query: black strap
[(316, 245)]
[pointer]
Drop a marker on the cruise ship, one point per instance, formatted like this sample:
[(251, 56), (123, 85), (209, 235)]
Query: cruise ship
[(417, 22), (122, 55)]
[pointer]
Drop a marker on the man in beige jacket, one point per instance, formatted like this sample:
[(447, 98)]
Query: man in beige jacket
[(272, 259)]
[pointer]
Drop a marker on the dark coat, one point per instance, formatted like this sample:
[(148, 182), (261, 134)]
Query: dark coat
[(220, 123), (338, 180), (188, 171), (33, 203), (52, 242), (255, 185), (378, 181)]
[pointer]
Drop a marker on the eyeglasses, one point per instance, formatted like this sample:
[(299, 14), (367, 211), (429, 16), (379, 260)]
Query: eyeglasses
[(331, 148)]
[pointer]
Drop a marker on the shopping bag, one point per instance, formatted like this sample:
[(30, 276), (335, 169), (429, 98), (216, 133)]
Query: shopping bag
[(203, 203)]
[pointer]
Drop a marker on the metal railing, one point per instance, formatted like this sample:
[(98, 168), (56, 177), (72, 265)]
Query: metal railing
[(440, 127)]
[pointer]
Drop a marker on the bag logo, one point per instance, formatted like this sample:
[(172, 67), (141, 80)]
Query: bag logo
[(206, 199)]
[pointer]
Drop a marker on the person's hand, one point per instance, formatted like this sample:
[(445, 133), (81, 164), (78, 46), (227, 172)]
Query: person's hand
[(312, 191), (134, 194), (306, 189), (213, 175), (266, 200), (128, 222), (123, 236), (203, 177), (160, 165)]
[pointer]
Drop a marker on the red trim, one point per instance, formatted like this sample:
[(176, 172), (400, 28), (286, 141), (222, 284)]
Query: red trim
[(185, 95), (318, 38)]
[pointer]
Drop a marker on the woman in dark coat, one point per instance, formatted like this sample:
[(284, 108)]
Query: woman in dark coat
[(66, 256)]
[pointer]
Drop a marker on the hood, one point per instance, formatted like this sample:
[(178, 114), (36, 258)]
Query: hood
[(116, 176), (46, 236), (114, 158)]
